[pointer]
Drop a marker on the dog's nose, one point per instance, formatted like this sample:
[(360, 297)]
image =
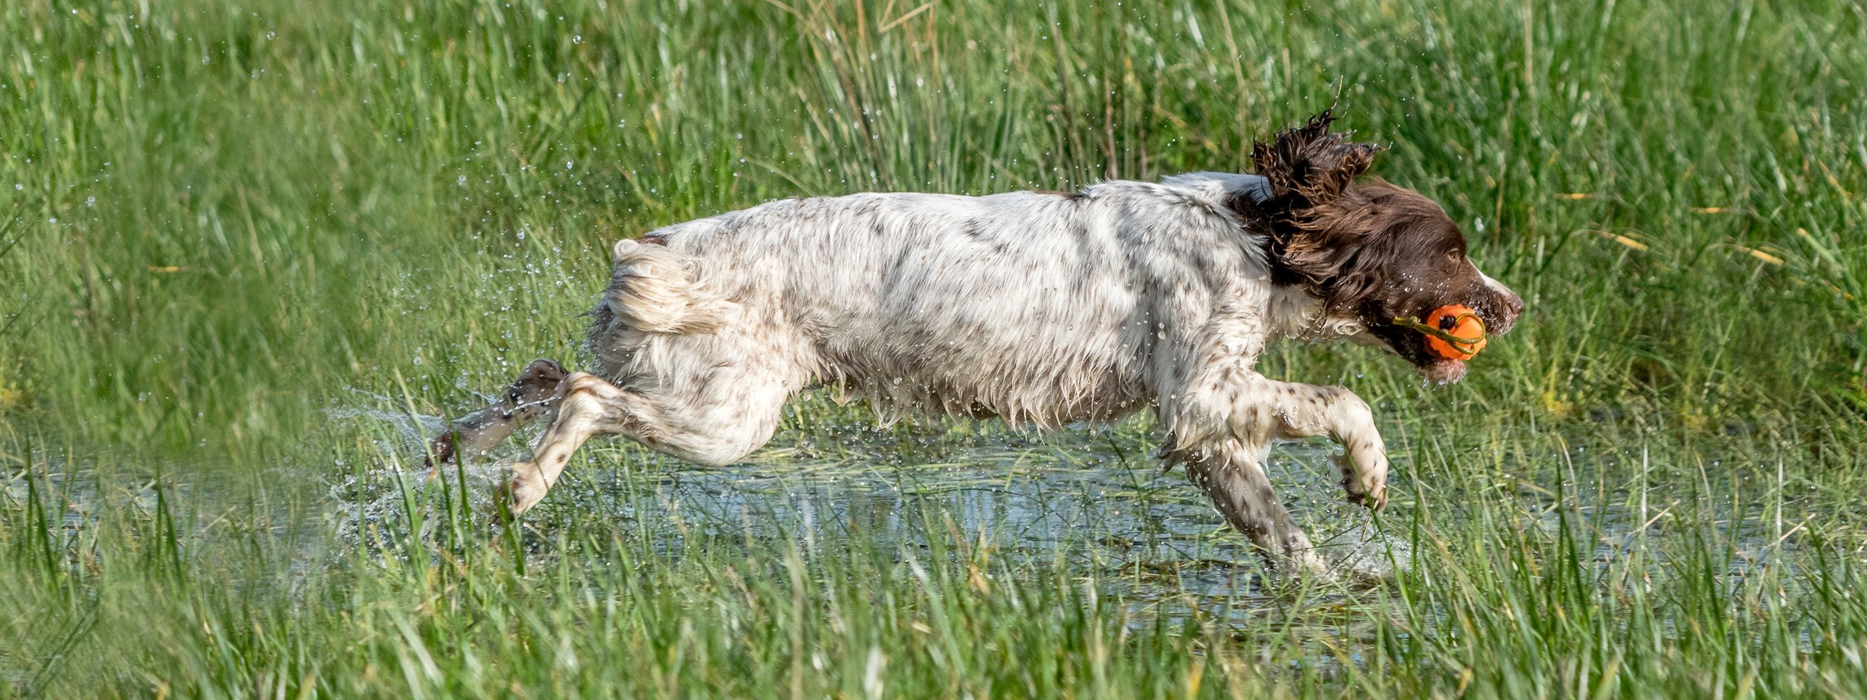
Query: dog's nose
[(1504, 308), (1509, 304)]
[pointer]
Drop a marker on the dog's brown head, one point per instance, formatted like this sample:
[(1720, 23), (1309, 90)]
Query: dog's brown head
[(1371, 250)]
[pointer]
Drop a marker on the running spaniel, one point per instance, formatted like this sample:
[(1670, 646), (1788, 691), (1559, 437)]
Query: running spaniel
[(1043, 308)]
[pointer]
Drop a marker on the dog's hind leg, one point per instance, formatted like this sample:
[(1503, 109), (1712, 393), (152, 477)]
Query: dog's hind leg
[(530, 397), (683, 370), (725, 414)]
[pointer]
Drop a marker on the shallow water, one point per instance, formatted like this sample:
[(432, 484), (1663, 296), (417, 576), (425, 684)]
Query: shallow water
[(1092, 496), (1092, 500), (1077, 494)]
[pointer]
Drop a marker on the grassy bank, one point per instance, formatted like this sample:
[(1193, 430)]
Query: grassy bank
[(231, 226)]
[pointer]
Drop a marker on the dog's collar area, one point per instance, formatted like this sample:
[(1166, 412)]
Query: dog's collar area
[(1257, 188)]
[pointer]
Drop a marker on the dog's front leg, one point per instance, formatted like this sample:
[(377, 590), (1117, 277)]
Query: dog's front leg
[(1230, 475), (1222, 427), (1307, 410)]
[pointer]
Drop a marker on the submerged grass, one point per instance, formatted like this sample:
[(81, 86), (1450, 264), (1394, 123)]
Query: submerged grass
[(230, 225), (1591, 577)]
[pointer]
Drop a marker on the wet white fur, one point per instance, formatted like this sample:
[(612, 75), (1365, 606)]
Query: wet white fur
[(1040, 308)]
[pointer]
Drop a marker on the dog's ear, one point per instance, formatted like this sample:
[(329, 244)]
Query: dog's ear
[(1318, 228), (1307, 166)]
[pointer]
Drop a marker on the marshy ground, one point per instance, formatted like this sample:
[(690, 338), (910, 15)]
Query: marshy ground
[(251, 253)]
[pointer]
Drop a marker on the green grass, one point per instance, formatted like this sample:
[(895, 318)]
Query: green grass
[(224, 220)]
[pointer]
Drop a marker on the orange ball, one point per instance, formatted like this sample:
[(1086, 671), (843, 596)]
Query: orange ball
[(1462, 323)]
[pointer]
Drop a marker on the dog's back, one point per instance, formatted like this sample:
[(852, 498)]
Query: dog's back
[(1061, 299)]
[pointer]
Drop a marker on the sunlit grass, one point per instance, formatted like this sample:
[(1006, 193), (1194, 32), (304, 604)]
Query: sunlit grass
[(231, 225)]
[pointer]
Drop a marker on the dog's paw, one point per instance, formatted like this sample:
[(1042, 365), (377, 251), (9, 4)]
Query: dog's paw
[(526, 487), (1364, 477), (1305, 564), (1375, 499)]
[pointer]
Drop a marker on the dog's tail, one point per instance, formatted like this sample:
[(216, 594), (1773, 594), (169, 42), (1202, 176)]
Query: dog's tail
[(653, 289)]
